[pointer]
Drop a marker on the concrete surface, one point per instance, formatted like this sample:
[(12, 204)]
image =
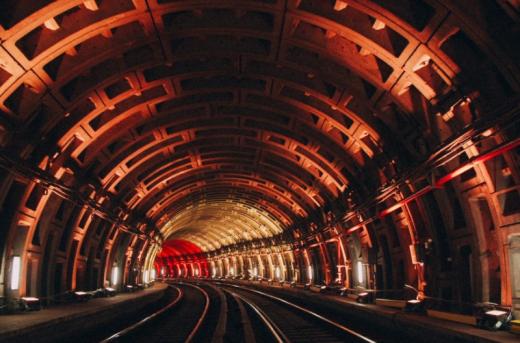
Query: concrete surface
[(58, 321)]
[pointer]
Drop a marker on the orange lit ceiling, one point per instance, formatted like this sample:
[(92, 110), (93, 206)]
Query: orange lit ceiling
[(220, 121)]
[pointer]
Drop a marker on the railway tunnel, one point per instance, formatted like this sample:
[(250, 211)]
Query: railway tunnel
[(344, 148)]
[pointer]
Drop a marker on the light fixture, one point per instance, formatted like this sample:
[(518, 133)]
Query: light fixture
[(360, 276), (309, 272), (495, 313), (495, 319), (115, 274), (363, 298), (231, 271), (277, 273), (31, 303), (82, 296), (153, 272), (487, 133), (163, 271), (15, 273), (109, 292), (414, 305)]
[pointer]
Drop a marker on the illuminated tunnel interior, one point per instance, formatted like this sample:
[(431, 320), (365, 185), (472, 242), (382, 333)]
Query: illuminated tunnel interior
[(168, 260), (358, 144)]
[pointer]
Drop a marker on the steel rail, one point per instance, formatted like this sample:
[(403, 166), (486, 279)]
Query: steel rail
[(145, 320), (309, 312), (220, 330), (249, 336), (273, 328), (193, 332)]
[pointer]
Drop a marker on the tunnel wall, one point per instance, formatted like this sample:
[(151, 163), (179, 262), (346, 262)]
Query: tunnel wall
[(476, 225), (458, 241), (80, 79)]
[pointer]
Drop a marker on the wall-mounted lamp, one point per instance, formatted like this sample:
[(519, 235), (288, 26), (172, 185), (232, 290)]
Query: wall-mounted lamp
[(15, 272), (115, 275), (360, 274)]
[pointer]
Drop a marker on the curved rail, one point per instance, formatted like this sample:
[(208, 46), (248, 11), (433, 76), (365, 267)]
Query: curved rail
[(145, 320), (204, 312), (277, 333), (308, 312), (220, 330), (249, 336)]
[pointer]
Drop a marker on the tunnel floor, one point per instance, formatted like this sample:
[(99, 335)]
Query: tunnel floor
[(235, 311)]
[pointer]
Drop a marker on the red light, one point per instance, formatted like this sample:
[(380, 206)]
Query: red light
[(175, 248)]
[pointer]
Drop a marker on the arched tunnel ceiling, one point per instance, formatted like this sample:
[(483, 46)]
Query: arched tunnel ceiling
[(178, 248), (216, 223), (223, 121)]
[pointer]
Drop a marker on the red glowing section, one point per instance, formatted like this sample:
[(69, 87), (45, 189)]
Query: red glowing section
[(179, 248), (180, 258)]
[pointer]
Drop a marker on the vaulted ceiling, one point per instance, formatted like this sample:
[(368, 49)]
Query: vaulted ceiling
[(223, 121)]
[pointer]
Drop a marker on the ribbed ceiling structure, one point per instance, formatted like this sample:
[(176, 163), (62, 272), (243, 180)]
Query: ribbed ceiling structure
[(218, 122)]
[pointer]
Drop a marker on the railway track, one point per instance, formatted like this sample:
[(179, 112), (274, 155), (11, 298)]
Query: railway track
[(213, 312), (179, 321), (289, 322)]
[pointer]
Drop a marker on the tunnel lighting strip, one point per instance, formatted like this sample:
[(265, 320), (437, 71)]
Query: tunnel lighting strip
[(140, 323), (506, 118), (314, 314), (275, 330), (502, 149), (439, 158)]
